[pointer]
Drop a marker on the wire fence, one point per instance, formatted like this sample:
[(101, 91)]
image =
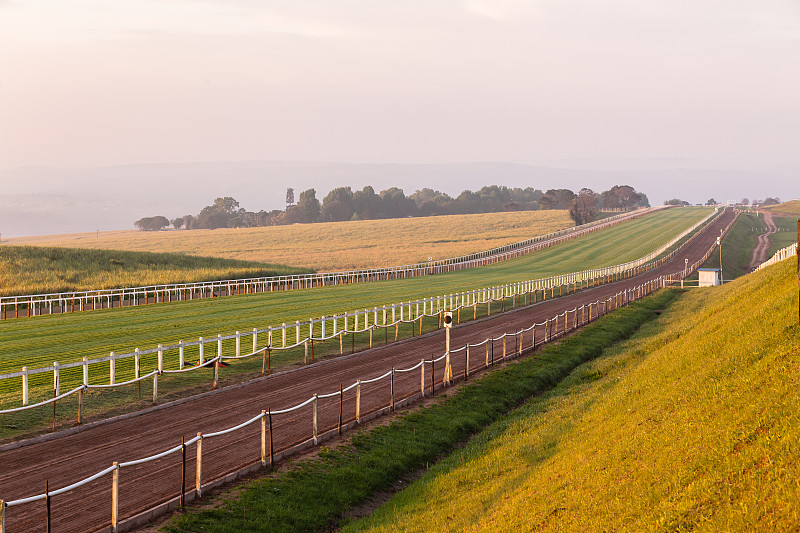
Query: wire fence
[(172, 358), (67, 302)]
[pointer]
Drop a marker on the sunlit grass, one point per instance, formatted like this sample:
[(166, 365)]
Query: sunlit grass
[(332, 246), (693, 425)]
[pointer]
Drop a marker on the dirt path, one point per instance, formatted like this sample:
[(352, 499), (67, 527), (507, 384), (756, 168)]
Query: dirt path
[(759, 254), (72, 457)]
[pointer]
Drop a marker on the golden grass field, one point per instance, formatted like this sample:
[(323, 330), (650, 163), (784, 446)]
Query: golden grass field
[(792, 207), (331, 246)]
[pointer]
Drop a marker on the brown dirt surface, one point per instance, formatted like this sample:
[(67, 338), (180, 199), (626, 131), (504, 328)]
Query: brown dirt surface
[(759, 254), (73, 457)]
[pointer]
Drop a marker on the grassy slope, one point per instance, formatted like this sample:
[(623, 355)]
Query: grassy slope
[(316, 494), (334, 245), (787, 234), (40, 340), (693, 425), (791, 207), (37, 270)]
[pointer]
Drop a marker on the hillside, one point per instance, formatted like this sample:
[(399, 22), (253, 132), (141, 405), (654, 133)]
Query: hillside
[(693, 424), (792, 207), (332, 246)]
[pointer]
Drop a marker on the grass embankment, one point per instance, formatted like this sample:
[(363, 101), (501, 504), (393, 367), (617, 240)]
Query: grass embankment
[(333, 246), (792, 207), (38, 270), (787, 234), (692, 425), (317, 494), (38, 341)]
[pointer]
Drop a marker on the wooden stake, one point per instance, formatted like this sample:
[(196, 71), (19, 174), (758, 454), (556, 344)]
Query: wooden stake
[(80, 406), (391, 392), (341, 406), (183, 471), (271, 454), (47, 501)]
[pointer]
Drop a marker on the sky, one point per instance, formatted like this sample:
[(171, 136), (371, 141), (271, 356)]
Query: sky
[(87, 83)]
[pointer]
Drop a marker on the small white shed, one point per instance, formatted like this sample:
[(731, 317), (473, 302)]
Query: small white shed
[(709, 277)]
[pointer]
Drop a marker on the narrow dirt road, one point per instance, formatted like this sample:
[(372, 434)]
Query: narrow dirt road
[(72, 457), (759, 254)]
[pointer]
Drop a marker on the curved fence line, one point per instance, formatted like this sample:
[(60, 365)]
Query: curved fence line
[(72, 301), (415, 311), (552, 328), (780, 255)]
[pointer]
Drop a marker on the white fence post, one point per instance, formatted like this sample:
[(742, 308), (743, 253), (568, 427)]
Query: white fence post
[(160, 359), (181, 358), (219, 346), (314, 418), (85, 371), (112, 369), (263, 438), (155, 388), (137, 367), (358, 401), (24, 385), (239, 344), (255, 340), (202, 352), (56, 381)]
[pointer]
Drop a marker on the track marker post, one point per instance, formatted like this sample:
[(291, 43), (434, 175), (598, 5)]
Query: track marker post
[(421, 380), (198, 477), (47, 501), (358, 401), (2, 516), (314, 418), (341, 406), (183, 471), (271, 448), (263, 438), (391, 392), (115, 498)]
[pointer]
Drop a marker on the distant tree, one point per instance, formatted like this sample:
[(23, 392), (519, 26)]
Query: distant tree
[(584, 207), (223, 213), (309, 206), (744, 201), (367, 204), (557, 199), (289, 196), (396, 205), (188, 221), (511, 206), (338, 205), (711, 201), (177, 223), (675, 201), (152, 223), (771, 201), (623, 197)]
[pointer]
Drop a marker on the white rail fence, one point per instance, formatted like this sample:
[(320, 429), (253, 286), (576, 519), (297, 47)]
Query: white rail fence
[(54, 303), (172, 358), (780, 255), (550, 329), (303, 334)]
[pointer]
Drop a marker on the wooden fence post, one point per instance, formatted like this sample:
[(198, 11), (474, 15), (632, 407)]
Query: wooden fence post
[(115, 498), (263, 438), (198, 477), (155, 388), (358, 401), (2, 516)]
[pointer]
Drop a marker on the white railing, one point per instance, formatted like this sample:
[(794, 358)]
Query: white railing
[(549, 330), (780, 255), (54, 303), (290, 336)]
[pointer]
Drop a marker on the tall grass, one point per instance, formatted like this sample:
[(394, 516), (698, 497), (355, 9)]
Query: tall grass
[(792, 207), (693, 425), (37, 270), (334, 245)]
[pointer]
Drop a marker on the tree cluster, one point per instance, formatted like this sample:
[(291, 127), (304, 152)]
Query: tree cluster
[(342, 203)]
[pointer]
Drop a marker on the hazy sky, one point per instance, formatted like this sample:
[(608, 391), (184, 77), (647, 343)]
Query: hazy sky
[(121, 81)]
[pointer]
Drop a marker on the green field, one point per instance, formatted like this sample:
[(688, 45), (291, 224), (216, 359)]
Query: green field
[(41, 340), (792, 207), (39, 270), (692, 425)]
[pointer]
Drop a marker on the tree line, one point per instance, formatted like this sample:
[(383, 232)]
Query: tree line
[(342, 203)]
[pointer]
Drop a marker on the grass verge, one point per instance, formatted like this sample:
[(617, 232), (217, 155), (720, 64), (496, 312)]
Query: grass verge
[(692, 425), (319, 492)]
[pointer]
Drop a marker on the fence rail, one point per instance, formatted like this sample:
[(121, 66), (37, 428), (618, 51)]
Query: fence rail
[(538, 333), (780, 255), (300, 334), (67, 302)]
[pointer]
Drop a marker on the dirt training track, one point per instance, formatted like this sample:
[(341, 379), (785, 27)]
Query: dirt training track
[(69, 458), (759, 254)]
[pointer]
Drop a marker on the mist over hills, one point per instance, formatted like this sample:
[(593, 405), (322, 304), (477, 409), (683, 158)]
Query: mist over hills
[(44, 200)]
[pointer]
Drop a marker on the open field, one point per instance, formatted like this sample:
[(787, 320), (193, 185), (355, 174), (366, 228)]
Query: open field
[(791, 207), (691, 425), (332, 246), (38, 270), (69, 337)]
